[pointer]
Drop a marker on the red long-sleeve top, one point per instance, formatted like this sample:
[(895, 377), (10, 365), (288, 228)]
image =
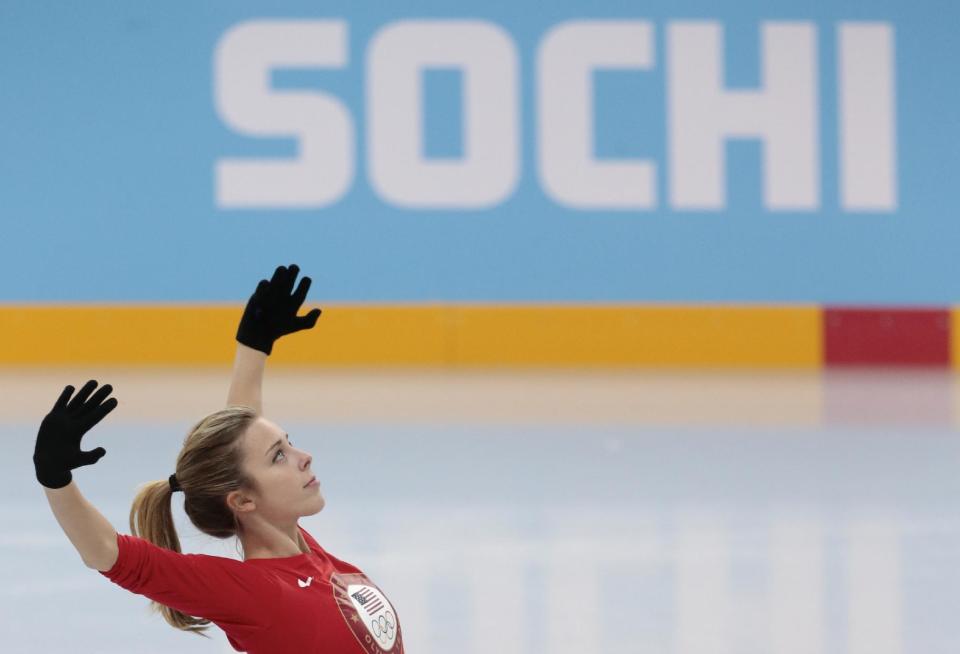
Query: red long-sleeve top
[(304, 604)]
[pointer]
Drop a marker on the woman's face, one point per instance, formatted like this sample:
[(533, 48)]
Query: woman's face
[(281, 471)]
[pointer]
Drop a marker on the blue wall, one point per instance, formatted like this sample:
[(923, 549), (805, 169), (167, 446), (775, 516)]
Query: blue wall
[(110, 137)]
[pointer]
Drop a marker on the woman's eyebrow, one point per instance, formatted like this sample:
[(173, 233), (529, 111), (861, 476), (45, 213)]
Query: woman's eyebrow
[(276, 444)]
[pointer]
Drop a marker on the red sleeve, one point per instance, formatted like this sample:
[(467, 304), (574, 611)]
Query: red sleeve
[(225, 591)]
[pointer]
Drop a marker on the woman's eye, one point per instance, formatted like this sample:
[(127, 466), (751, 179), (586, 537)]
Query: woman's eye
[(279, 452)]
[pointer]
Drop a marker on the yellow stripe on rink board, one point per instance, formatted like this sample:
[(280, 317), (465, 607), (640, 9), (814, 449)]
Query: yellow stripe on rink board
[(954, 328), (629, 335), (192, 334), (117, 334), (454, 334)]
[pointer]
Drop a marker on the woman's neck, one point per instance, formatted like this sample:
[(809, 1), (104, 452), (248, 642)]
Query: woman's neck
[(275, 550)]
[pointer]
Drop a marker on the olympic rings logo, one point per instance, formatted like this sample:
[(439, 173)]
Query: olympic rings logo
[(383, 627)]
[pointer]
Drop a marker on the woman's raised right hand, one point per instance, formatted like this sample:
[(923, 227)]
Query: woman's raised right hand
[(57, 450), (271, 311)]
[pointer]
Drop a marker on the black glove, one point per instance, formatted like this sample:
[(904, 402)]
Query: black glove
[(57, 451), (271, 311)]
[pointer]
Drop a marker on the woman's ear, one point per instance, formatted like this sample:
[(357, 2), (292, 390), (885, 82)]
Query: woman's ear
[(239, 503)]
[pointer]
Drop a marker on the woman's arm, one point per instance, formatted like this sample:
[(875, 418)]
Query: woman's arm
[(57, 452), (271, 313), (246, 384), (91, 533)]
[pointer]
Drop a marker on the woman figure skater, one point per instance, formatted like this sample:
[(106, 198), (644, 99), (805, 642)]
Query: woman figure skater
[(241, 476)]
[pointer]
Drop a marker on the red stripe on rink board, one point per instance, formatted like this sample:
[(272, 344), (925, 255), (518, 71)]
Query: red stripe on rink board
[(886, 336)]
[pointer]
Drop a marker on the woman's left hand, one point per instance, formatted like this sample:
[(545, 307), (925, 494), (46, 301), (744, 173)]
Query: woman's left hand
[(271, 311)]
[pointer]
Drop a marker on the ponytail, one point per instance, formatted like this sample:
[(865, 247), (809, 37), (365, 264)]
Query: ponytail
[(151, 518)]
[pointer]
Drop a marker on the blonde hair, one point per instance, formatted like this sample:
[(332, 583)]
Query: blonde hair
[(208, 468)]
